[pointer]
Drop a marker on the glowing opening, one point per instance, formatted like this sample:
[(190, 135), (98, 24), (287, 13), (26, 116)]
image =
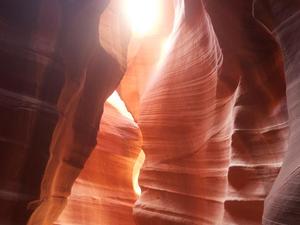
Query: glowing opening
[(136, 172), (115, 100), (143, 15)]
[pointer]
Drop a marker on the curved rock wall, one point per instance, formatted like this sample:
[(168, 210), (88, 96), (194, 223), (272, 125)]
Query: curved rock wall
[(186, 129), (55, 79), (282, 204), (144, 54), (104, 193), (31, 81), (211, 107), (94, 73), (214, 119), (260, 134)]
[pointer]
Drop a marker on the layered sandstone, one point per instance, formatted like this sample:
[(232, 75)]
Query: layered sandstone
[(104, 191), (55, 79), (186, 129), (213, 102), (214, 119), (281, 19)]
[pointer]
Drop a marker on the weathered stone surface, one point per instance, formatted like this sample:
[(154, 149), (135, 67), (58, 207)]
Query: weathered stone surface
[(31, 81), (214, 119), (211, 105), (104, 192), (186, 129), (55, 79), (259, 139), (144, 55), (281, 18)]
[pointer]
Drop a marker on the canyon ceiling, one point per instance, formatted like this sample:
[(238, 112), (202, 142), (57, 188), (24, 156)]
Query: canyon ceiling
[(196, 123)]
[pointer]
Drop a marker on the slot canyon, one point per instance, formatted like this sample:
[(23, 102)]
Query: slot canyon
[(150, 112)]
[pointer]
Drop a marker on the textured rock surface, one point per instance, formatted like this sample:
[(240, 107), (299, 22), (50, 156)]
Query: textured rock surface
[(184, 180), (214, 123), (143, 57), (282, 204), (260, 120), (104, 193), (144, 54), (32, 77), (75, 134), (56, 75), (211, 107)]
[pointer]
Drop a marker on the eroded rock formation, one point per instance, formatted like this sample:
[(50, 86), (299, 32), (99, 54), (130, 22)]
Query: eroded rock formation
[(260, 132), (214, 120), (186, 129), (55, 79), (281, 18), (210, 105), (104, 192), (144, 54)]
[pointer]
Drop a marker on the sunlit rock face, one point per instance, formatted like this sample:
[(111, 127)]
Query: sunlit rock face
[(207, 104), (104, 192), (214, 119), (91, 81), (282, 19), (260, 134), (186, 128), (55, 79), (144, 54)]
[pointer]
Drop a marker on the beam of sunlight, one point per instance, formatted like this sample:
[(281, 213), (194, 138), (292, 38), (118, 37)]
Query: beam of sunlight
[(136, 172), (143, 15)]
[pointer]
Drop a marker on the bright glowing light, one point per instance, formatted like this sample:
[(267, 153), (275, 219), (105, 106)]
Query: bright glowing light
[(136, 172), (166, 45), (115, 100), (143, 15)]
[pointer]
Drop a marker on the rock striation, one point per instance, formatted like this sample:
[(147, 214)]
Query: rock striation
[(186, 129), (104, 192), (212, 98), (259, 140), (281, 19), (55, 79), (214, 119)]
